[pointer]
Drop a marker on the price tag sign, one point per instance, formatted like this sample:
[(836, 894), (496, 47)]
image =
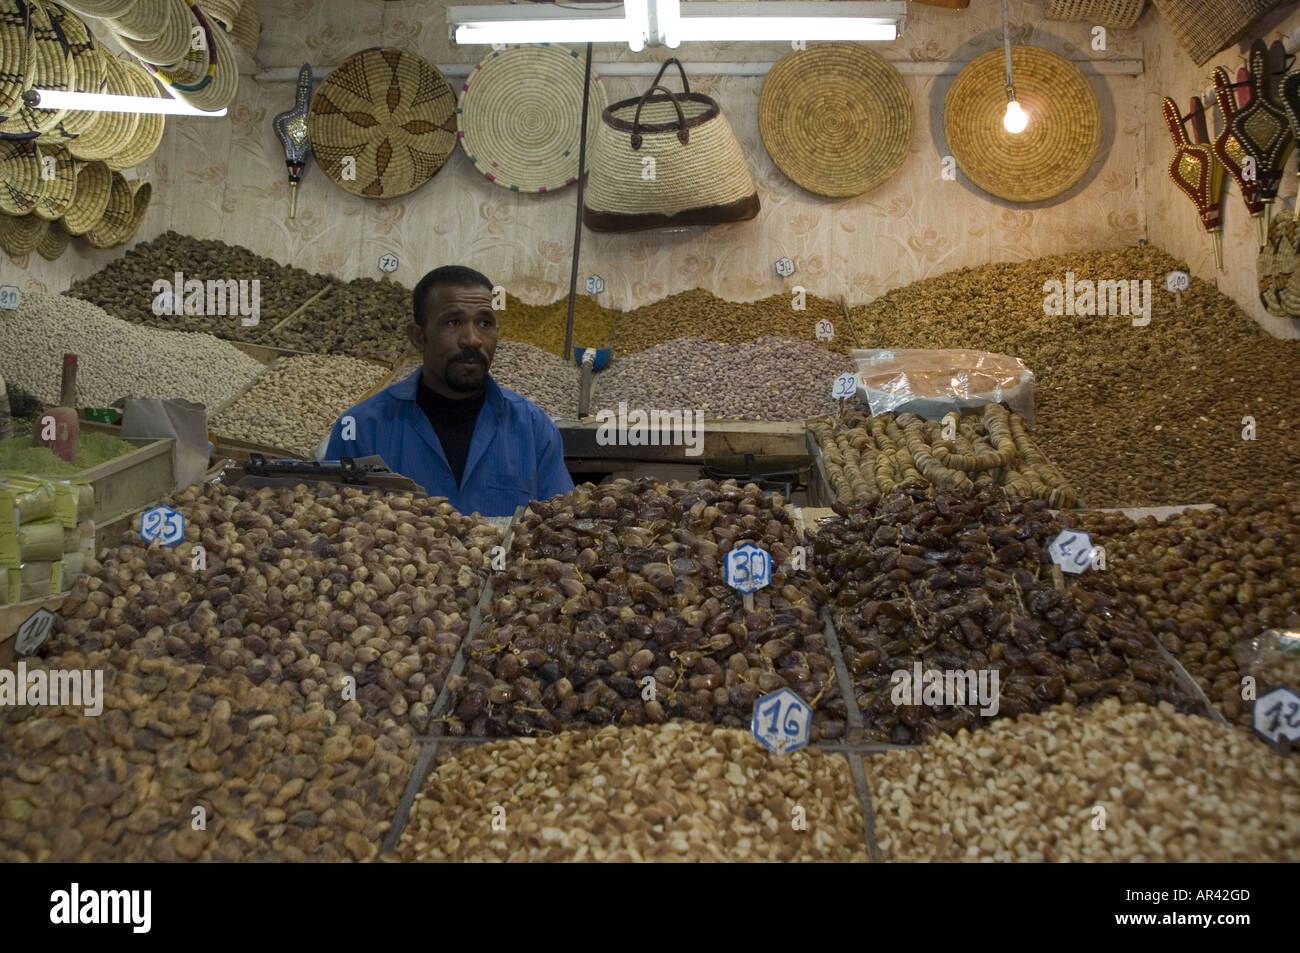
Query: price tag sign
[(163, 524), (748, 568), (1177, 281), (594, 284), (10, 298), (782, 721), (784, 267), (33, 633), (825, 331), (1072, 551), (388, 262), (1277, 715), (845, 386)]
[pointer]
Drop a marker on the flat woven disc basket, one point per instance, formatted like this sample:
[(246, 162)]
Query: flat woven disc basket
[(58, 182), (54, 69), (112, 132), (20, 234), (149, 128), (113, 226), (90, 73), (389, 111), (20, 176), (836, 119), (17, 55), (520, 116), (156, 31), (94, 188), (1055, 150), (53, 242)]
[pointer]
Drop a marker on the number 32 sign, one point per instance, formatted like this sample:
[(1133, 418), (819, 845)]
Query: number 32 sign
[(782, 721)]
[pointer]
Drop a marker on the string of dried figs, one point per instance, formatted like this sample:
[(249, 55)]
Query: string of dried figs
[(1174, 787), (864, 455), (1209, 580), (277, 776), (618, 588), (303, 586), (961, 582), (676, 792)]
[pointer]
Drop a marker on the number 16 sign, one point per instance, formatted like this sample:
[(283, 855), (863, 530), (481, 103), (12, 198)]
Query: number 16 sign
[(782, 721)]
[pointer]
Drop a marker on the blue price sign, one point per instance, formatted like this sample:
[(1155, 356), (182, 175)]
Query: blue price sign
[(784, 267), (10, 298), (845, 386), (782, 721), (163, 524), (748, 568), (594, 284), (1072, 551)]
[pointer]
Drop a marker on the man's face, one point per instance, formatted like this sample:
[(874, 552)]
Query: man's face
[(458, 340)]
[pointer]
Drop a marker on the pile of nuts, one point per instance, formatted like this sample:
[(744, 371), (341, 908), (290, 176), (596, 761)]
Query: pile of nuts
[(362, 318), (538, 375), (992, 447), (614, 610), (773, 378), (124, 287), (1116, 782), (295, 402), (115, 358), (677, 792), (699, 313), (543, 325), (1209, 580), (962, 582), (1104, 386)]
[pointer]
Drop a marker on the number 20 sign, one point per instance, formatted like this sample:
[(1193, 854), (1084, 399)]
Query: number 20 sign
[(782, 721)]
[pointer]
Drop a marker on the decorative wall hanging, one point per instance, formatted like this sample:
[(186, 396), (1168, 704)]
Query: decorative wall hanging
[(1117, 14), (1230, 151), (1197, 171), (1055, 150), (388, 111), (1276, 269), (520, 116), (1204, 27), (1263, 128), (836, 118), (291, 129), (700, 175)]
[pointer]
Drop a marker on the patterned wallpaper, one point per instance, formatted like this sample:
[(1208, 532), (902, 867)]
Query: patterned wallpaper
[(225, 179)]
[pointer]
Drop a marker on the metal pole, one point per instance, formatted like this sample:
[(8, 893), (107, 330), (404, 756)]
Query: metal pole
[(577, 219)]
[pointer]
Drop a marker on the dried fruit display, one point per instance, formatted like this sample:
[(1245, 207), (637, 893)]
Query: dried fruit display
[(866, 455), (962, 582), (614, 586), (1207, 580), (676, 792), (1169, 397), (1173, 787)]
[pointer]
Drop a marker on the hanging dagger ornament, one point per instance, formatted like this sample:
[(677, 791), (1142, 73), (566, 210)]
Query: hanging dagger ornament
[(1263, 128), (291, 130), (1232, 153), (1291, 101), (1197, 171)]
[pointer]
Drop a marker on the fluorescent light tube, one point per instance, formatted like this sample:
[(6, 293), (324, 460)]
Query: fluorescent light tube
[(781, 29), (109, 103), (543, 31), (636, 17)]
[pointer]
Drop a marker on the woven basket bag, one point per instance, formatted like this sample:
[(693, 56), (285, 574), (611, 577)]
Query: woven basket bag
[(1204, 27), (1119, 14)]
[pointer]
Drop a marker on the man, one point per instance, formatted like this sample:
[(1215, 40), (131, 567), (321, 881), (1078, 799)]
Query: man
[(449, 426)]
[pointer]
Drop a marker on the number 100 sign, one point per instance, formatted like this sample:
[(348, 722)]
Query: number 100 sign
[(782, 721)]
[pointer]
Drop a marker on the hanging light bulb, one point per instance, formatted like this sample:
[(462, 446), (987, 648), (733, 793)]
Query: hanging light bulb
[(1016, 119)]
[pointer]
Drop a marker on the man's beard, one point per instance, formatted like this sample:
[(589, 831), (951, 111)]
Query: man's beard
[(466, 378)]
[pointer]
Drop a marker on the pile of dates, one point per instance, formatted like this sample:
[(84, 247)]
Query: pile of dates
[(614, 609), (962, 582)]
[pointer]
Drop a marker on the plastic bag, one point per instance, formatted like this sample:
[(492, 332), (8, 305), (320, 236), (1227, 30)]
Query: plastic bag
[(1272, 658), (930, 383)]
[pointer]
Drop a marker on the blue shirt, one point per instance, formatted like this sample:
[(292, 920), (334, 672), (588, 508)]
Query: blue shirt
[(515, 454)]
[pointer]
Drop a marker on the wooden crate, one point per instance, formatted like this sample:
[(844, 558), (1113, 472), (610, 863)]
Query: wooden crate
[(131, 481)]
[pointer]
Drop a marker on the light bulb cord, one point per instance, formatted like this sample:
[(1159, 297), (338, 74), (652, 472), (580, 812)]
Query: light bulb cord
[(1006, 42)]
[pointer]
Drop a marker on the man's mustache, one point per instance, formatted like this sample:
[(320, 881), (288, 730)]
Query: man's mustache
[(469, 356)]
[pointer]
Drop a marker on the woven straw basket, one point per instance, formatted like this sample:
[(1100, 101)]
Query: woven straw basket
[(1119, 14), (141, 193), (101, 9), (53, 242), (207, 79), (699, 171), (17, 56), (392, 112), (20, 177), (112, 227), (90, 73), (155, 31), (20, 234), (113, 132), (1204, 27), (520, 116), (56, 191), (1052, 154), (54, 69), (248, 28), (94, 187), (225, 13), (149, 128), (836, 118)]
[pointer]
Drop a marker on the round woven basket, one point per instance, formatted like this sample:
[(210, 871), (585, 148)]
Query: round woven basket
[(1056, 149), (56, 192), (20, 176), (392, 112), (17, 55), (248, 28), (141, 193), (156, 31), (1120, 14), (100, 9), (225, 13), (94, 187), (113, 132), (149, 128), (221, 92), (91, 73), (20, 233), (836, 118), (53, 242), (54, 69), (111, 229), (520, 116)]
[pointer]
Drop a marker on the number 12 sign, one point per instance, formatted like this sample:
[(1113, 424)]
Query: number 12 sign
[(782, 721), (1277, 715)]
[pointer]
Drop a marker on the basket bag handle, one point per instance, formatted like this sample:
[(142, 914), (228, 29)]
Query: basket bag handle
[(682, 133), (673, 61)]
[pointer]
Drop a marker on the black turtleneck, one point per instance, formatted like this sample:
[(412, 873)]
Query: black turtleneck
[(453, 421)]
